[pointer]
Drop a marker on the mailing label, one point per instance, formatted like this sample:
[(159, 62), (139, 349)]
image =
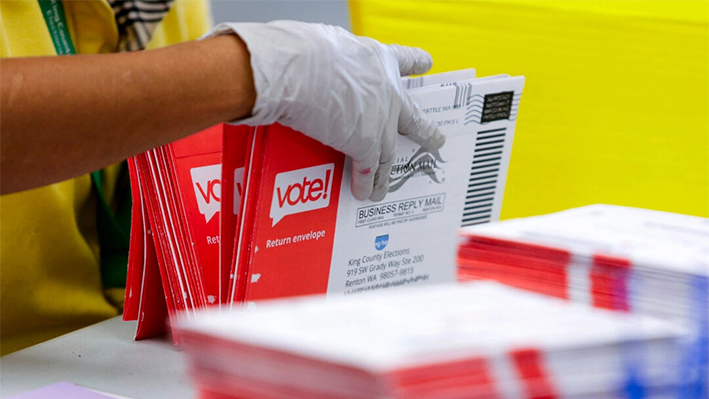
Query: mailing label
[(411, 238)]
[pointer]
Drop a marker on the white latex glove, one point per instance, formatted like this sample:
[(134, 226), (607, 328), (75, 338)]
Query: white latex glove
[(340, 89)]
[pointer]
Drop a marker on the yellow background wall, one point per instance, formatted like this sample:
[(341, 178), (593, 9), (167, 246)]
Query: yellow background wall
[(616, 103)]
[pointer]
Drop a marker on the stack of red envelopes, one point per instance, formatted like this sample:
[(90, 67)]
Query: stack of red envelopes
[(235, 215), (624, 259), (174, 254)]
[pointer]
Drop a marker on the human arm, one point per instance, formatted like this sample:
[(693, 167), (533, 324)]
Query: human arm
[(65, 116), (62, 117)]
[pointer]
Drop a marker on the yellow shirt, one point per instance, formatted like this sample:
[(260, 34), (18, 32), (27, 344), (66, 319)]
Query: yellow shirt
[(50, 280)]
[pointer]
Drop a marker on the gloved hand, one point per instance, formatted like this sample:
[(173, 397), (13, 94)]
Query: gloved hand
[(340, 89)]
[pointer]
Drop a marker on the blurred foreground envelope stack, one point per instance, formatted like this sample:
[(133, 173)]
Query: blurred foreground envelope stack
[(475, 340), (623, 259)]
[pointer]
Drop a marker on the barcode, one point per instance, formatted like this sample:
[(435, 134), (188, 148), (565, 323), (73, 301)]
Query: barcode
[(413, 83), (484, 173), (462, 95)]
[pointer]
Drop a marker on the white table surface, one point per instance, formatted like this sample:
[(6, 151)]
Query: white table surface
[(103, 357)]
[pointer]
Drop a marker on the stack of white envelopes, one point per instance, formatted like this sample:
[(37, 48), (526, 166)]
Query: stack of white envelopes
[(473, 340), (624, 259)]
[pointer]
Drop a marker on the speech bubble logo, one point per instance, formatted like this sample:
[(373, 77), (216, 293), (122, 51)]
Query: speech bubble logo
[(207, 184), (301, 190), (380, 242), (238, 188)]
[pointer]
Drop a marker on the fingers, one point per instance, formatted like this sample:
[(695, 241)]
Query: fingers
[(414, 124), (363, 172), (370, 172), (412, 60), (386, 161), (412, 121)]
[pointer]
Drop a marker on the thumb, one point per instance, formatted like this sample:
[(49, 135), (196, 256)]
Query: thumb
[(412, 60), (414, 124)]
